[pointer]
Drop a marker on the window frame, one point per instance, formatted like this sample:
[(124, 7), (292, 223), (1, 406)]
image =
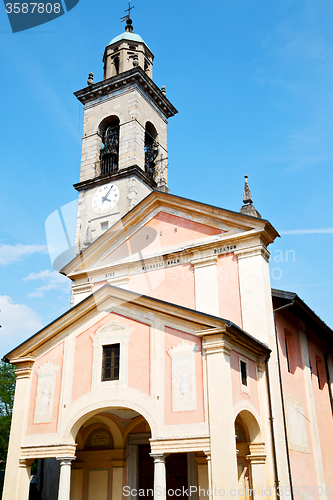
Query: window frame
[(244, 388), (115, 352), (113, 332)]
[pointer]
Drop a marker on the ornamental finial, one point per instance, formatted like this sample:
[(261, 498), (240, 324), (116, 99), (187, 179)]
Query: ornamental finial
[(247, 197), (248, 208)]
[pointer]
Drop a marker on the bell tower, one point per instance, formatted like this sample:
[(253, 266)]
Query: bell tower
[(124, 144)]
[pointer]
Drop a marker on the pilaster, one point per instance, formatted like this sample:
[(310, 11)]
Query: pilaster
[(16, 486), (257, 459), (217, 347), (255, 291), (206, 285)]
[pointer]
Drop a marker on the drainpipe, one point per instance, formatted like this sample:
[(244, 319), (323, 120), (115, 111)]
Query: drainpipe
[(282, 400), (271, 418)]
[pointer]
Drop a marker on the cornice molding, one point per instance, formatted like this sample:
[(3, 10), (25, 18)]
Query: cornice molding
[(133, 170), (179, 445), (63, 451), (210, 260), (114, 84), (258, 250)]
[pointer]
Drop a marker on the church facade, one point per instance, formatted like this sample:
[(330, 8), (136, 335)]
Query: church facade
[(177, 371)]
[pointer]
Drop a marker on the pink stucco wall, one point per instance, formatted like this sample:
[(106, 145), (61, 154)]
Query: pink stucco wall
[(237, 393), (174, 284), (138, 356), (55, 356), (322, 405), (303, 464), (172, 338), (228, 286), (162, 231)]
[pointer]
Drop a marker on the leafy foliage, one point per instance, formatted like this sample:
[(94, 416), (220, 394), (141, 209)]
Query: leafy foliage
[(7, 389)]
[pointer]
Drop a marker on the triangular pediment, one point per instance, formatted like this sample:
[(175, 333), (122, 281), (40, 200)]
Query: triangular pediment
[(162, 224), (123, 304)]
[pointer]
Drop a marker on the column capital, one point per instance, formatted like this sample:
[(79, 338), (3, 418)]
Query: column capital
[(257, 453), (254, 251), (159, 458), (119, 281), (26, 462), (256, 459), (260, 366), (65, 460), (209, 260), (24, 366), (217, 343)]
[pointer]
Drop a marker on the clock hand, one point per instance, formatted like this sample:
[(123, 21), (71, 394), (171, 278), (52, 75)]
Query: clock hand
[(108, 191), (105, 198)]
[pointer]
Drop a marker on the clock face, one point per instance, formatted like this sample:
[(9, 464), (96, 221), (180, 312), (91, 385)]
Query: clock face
[(105, 198)]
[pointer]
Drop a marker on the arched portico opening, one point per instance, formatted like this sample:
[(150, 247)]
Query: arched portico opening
[(113, 451), (250, 456)]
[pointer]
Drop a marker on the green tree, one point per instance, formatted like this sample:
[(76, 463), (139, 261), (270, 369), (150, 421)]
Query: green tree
[(7, 389)]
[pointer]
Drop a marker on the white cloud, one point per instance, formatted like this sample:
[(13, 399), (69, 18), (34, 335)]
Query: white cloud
[(322, 230), (35, 295), (53, 281), (14, 253), (18, 323)]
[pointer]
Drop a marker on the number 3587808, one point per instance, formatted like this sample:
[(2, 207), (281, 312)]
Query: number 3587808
[(33, 8)]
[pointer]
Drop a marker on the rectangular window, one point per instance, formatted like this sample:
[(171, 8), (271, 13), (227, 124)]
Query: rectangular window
[(110, 363), (104, 226), (243, 369)]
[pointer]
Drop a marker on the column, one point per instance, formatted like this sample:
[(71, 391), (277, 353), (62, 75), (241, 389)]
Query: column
[(17, 476), (206, 286), (209, 469), (159, 475), (65, 477), (224, 476), (257, 459)]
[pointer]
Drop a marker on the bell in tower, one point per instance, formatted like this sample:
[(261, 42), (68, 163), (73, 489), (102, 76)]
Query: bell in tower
[(124, 144)]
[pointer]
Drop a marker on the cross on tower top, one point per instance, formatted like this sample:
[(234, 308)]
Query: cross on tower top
[(128, 16)]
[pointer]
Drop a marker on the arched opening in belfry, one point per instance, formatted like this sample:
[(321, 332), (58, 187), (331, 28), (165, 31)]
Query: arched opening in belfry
[(109, 154), (116, 62), (151, 149)]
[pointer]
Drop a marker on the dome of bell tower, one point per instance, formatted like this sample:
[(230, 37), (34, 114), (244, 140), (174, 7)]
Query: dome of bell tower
[(125, 52)]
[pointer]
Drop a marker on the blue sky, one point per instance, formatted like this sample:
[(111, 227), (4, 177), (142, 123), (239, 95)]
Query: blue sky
[(252, 81)]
